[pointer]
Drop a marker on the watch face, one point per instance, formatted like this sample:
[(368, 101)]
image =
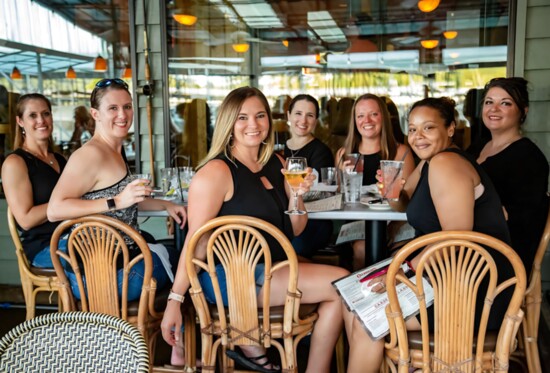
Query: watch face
[(111, 204)]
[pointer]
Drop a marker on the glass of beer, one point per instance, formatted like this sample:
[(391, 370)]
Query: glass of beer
[(295, 172)]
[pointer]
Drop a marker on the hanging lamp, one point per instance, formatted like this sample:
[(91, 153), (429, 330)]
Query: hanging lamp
[(70, 73), (429, 43), (100, 64), (428, 6), (15, 73), (127, 72)]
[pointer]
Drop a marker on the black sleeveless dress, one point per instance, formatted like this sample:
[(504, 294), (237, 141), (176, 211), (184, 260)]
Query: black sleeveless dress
[(43, 178), (251, 198)]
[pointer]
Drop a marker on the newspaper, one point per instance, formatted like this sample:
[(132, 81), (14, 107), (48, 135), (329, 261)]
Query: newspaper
[(370, 307), (326, 204), (351, 232)]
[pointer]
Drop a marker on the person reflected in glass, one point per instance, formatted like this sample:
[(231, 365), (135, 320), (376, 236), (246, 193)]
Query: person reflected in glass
[(448, 191), (241, 175), (370, 134), (29, 175), (303, 115), (84, 127), (97, 180), (517, 167)]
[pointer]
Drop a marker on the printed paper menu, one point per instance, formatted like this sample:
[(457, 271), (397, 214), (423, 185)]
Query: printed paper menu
[(370, 307)]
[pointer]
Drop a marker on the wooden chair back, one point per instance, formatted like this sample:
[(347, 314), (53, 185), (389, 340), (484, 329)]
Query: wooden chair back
[(238, 244), (94, 247), (455, 263), (532, 305), (33, 280)]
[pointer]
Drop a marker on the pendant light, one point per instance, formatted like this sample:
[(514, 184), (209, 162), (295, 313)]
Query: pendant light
[(127, 72), (100, 64), (429, 43), (428, 6), (15, 73), (70, 73)]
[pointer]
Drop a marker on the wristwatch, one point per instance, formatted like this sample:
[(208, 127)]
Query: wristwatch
[(175, 296), (111, 204)]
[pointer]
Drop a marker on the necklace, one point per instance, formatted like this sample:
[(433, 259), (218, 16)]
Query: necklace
[(294, 153), (47, 160)]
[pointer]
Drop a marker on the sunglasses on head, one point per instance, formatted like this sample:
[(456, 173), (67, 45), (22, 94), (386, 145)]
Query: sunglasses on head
[(107, 82)]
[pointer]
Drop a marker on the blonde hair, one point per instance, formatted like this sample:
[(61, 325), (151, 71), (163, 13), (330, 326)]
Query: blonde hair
[(227, 116), (388, 145)]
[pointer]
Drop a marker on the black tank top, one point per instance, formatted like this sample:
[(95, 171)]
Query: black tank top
[(43, 178), (488, 214), (488, 219), (251, 198), (371, 163)]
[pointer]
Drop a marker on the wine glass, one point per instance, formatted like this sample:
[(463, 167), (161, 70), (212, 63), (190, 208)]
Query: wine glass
[(295, 172)]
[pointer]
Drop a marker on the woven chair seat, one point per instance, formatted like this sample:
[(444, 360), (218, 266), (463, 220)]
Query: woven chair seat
[(50, 272), (276, 314), (74, 342)]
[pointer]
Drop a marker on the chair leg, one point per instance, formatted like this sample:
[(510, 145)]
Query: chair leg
[(189, 324), (28, 294), (340, 358)]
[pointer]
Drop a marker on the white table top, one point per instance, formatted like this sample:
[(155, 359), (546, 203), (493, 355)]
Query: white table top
[(351, 211), (358, 211)]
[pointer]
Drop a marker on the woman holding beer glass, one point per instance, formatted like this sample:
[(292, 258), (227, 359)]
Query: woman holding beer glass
[(303, 114), (242, 176)]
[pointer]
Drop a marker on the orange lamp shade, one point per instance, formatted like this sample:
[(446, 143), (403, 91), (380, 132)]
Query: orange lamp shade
[(451, 34), (185, 19), (70, 73), (15, 73), (127, 73), (240, 47), (100, 64), (429, 43), (428, 6)]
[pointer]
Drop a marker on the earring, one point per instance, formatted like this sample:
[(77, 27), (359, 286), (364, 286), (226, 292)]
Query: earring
[(22, 131)]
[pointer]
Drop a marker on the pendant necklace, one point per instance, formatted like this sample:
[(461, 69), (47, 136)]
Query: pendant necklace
[(294, 153), (49, 161)]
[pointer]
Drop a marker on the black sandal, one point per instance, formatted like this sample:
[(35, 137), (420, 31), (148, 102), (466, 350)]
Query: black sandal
[(251, 362)]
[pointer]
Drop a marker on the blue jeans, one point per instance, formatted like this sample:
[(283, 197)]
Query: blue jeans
[(206, 283), (43, 259), (135, 278)]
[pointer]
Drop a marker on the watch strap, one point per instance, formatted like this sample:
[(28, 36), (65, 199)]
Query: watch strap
[(111, 205)]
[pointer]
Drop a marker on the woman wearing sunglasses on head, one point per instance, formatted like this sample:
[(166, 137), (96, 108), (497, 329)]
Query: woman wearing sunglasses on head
[(97, 178)]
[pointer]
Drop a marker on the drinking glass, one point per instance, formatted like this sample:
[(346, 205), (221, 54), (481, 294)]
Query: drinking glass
[(143, 177), (295, 172)]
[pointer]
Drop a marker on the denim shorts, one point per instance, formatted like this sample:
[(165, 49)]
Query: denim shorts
[(135, 278), (206, 282)]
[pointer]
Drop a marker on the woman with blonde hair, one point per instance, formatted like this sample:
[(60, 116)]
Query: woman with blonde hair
[(242, 176)]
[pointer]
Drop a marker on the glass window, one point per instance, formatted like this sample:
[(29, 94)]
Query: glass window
[(405, 50)]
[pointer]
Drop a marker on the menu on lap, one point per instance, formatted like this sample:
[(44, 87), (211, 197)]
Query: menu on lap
[(370, 307)]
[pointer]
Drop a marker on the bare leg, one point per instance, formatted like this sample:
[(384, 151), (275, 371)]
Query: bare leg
[(365, 355), (315, 284), (358, 255)]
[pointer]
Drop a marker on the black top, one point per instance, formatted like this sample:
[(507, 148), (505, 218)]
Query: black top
[(318, 154), (488, 219), (43, 178), (251, 198), (488, 214), (520, 175), (371, 163)]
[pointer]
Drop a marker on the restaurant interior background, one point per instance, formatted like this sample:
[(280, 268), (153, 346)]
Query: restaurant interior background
[(404, 49)]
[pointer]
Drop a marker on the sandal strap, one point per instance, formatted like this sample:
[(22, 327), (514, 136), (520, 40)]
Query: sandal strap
[(256, 358)]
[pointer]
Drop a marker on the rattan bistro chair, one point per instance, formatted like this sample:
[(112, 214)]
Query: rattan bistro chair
[(33, 279), (455, 263), (74, 342), (236, 243), (529, 331)]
